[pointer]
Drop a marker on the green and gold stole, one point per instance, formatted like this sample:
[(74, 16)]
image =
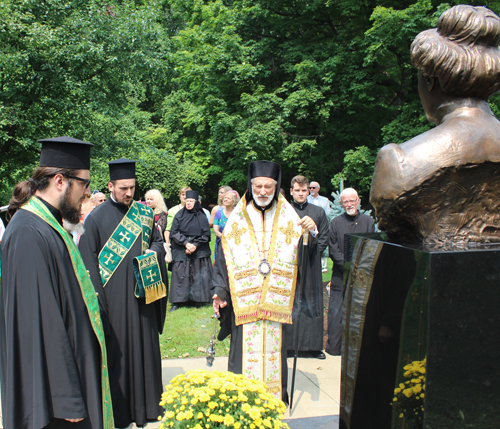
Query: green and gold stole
[(35, 206), (138, 220)]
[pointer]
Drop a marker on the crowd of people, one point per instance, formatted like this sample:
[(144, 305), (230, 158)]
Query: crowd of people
[(86, 312)]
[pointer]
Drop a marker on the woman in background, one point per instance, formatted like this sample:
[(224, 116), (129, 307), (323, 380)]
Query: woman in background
[(229, 202), (155, 201), (222, 192), (191, 270), (174, 210)]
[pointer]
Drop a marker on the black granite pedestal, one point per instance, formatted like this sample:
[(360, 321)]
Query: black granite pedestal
[(406, 303)]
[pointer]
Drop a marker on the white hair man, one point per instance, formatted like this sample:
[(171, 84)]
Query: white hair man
[(260, 243), (351, 221)]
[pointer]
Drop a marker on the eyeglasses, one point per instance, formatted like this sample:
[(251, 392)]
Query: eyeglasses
[(86, 181), (312, 187), (349, 202)]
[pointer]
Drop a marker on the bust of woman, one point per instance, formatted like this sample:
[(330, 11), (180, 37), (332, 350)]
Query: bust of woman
[(444, 185)]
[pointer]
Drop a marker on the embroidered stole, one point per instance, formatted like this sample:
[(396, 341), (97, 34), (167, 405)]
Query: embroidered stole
[(261, 303), (138, 221), (35, 206)]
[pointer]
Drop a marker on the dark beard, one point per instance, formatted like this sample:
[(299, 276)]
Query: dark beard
[(68, 212)]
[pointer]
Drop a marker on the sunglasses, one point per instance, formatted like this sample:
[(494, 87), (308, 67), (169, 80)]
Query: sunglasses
[(312, 187), (86, 181)]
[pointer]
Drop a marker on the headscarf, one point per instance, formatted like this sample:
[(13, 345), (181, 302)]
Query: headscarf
[(192, 223)]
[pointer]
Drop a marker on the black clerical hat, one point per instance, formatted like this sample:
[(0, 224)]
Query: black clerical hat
[(121, 169), (65, 152), (264, 169), (192, 194)]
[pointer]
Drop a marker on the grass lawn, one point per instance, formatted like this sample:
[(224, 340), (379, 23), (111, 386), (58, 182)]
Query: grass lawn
[(187, 330)]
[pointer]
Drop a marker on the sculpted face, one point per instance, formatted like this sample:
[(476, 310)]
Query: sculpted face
[(350, 202), (123, 191), (299, 193), (263, 189)]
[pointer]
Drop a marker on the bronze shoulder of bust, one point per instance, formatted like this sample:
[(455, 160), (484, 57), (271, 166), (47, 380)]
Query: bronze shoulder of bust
[(442, 184)]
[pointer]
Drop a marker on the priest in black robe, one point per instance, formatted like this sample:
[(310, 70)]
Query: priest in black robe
[(261, 201), (132, 327), (340, 248), (310, 328), (52, 347)]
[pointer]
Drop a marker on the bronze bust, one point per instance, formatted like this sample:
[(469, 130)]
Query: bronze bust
[(443, 186)]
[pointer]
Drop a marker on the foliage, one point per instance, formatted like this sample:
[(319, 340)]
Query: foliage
[(409, 396), (199, 399), (358, 169), (211, 85)]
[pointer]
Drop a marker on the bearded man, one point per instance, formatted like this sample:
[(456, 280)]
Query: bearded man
[(351, 221), (255, 276), (52, 347), (119, 243)]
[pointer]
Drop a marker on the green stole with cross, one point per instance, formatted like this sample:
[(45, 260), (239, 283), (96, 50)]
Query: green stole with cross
[(138, 221), (35, 206)]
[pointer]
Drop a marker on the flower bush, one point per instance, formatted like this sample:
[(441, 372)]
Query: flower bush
[(202, 399), (409, 396)]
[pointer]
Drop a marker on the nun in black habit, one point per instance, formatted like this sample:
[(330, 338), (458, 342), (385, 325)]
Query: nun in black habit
[(192, 269)]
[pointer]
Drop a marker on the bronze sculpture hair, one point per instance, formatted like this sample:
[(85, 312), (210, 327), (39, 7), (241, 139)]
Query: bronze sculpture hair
[(462, 52)]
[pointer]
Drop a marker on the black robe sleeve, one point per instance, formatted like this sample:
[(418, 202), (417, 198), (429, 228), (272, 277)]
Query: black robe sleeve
[(90, 246), (39, 370), (334, 243), (220, 286)]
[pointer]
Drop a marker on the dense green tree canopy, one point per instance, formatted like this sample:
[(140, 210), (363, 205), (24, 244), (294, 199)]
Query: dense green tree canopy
[(196, 89)]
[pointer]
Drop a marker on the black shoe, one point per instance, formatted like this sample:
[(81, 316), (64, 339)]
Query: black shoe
[(318, 354), (174, 307)]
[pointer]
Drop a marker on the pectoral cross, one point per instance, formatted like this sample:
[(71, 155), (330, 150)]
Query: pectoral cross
[(151, 275), (289, 232), (124, 236), (236, 233), (109, 258)]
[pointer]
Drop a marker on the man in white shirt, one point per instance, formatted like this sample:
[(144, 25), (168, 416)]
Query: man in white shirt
[(324, 203)]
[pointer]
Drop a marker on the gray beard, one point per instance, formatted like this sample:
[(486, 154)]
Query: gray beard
[(263, 204), (73, 227)]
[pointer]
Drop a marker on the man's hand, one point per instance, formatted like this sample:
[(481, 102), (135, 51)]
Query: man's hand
[(149, 251), (307, 223), (190, 248), (73, 420), (218, 303)]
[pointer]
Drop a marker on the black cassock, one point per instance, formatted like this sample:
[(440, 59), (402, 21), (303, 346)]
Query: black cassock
[(50, 356), (311, 318), (339, 246), (132, 328)]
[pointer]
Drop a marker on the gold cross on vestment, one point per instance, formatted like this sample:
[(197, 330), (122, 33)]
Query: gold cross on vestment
[(289, 232), (124, 236), (136, 216), (236, 233), (109, 258), (273, 358), (151, 275), (253, 360)]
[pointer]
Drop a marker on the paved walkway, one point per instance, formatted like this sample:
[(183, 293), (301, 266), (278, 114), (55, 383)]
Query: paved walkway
[(317, 389)]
